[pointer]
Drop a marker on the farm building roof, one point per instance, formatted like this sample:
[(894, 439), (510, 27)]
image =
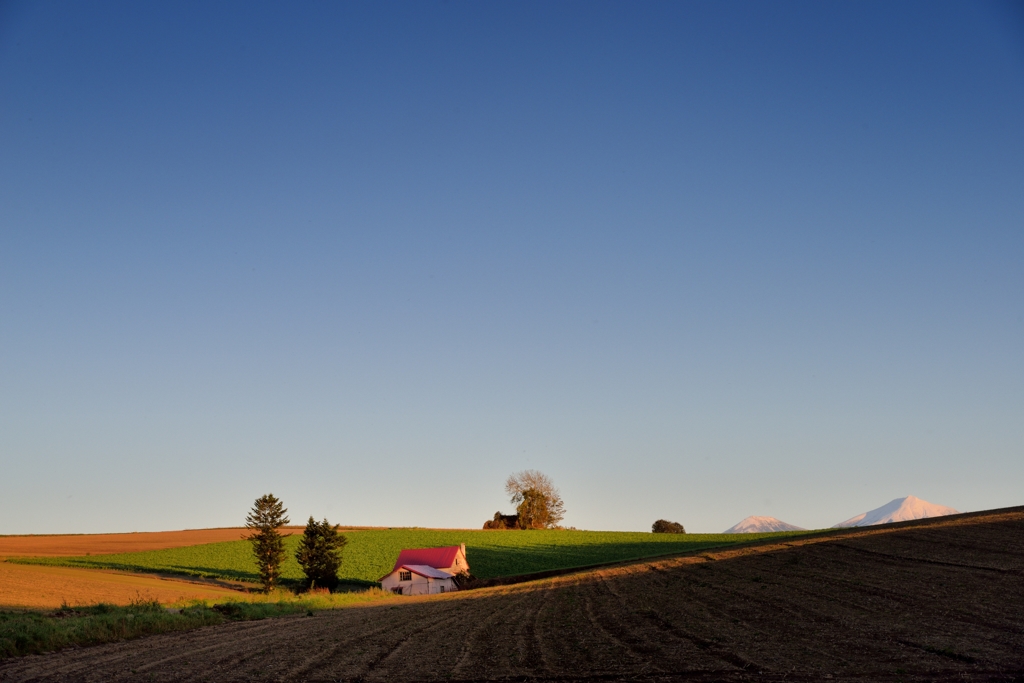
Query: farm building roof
[(421, 569), (432, 557), (429, 572)]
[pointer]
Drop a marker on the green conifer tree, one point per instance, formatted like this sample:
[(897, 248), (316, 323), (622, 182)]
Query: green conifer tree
[(319, 553), (264, 520)]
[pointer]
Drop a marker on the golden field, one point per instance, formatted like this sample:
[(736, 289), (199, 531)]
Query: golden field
[(32, 586), (37, 587)]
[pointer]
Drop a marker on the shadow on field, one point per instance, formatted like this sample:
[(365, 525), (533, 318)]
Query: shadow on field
[(494, 563), (204, 572), (345, 584)]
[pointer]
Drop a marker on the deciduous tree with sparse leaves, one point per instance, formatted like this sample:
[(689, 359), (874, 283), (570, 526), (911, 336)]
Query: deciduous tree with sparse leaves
[(538, 503)]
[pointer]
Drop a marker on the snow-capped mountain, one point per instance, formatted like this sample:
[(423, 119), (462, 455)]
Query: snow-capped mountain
[(899, 510), (757, 525)]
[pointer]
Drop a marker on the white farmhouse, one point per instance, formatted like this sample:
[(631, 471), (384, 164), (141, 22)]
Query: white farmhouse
[(424, 571)]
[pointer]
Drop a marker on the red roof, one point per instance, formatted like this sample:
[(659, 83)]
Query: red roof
[(439, 558)]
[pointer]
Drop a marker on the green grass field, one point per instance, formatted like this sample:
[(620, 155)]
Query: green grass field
[(371, 553)]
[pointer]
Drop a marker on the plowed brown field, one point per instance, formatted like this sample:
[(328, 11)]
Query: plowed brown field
[(48, 587), (59, 545), (936, 600)]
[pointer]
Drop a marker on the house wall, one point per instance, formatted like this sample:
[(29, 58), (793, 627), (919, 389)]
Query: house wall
[(420, 585), (390, 582)]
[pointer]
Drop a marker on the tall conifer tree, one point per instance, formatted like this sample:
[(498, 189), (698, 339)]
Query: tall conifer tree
[(264, 520)]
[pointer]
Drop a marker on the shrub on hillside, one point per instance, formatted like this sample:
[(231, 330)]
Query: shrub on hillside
[(501, 521), (663, 526)]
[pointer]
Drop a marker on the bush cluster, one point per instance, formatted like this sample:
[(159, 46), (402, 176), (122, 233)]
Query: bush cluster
[(501, 521), (663, 526)]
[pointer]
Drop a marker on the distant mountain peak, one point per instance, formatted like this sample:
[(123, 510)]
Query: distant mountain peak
[(899, 510), (760, 525)]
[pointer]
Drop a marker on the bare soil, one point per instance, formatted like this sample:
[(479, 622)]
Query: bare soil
[(932, 600), (63, 545)]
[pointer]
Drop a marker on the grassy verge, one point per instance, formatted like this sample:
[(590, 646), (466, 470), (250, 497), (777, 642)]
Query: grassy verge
[(24, 633), (32, 632)]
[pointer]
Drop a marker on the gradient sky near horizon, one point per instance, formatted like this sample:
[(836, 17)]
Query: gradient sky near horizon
[(694, 261)]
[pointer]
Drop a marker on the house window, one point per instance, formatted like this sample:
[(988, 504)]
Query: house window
[(442, 589), (405, 576), (456, 562)]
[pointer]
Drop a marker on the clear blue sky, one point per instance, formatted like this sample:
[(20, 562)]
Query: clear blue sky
[(692, 260)]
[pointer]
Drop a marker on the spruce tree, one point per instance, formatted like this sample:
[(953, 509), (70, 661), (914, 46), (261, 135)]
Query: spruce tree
[(266, 517), (319, 553)]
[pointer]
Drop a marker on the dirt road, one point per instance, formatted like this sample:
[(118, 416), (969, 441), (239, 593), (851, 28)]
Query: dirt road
[(941, 600)]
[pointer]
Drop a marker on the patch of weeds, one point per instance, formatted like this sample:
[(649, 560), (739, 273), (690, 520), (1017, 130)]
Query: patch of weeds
[(254, 611), (32, 632)]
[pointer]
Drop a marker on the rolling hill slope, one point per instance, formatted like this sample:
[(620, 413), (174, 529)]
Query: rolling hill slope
[(935, 599)]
